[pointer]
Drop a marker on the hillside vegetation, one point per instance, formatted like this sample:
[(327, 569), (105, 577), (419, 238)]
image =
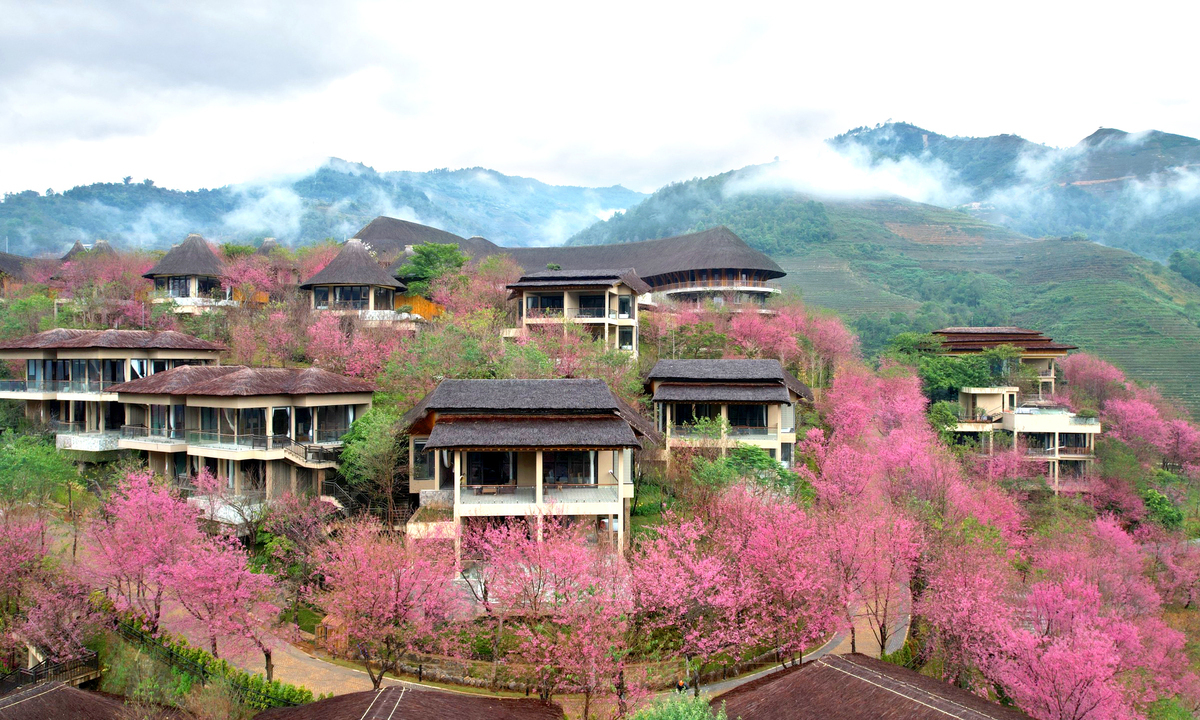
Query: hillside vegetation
[(892, 265), (335, 200), (1133, 191)]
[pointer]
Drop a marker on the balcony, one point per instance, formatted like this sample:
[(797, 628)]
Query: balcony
[(733, 433), (496, 495), (74, 436), (57, 386), (750, 432), (159, 436), (568, 494)]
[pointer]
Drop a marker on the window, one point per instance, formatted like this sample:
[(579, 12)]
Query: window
[(591, 306), (787, 418), (351, 297), (138, 368), (542, 305), (490, 468), (178, 286), (158, 366), (333, 422), (753, 416), (252, 421), (785, 454), (304, 424), (688, 414), (625, 338), (573, 467), (209, 287), (384, 298), (281, 421), (422, 460), (321, 297), (624, 306)]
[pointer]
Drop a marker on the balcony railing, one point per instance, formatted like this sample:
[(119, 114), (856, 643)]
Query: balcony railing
[(1076, 420), (1074, 450), (1040, 452), (729, 282), (587, 313), (154, 435), (753, 431)]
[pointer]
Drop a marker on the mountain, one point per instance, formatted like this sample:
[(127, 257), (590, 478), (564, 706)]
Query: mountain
[(891, 265), (1138, 191), (333, 201)]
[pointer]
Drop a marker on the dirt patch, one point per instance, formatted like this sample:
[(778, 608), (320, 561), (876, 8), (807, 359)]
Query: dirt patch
[(934, 234)]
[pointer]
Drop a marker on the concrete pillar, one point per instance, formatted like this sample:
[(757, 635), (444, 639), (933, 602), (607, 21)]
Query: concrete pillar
[(537, 477), (458, 475)]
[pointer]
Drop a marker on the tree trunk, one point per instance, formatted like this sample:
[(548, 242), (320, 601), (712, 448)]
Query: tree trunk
[(212, 640), (296, 607), (496, 651), (270, 664), (853, 639), (587, 705)]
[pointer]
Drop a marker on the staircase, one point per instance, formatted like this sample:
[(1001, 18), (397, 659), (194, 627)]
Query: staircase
[(68, 672)]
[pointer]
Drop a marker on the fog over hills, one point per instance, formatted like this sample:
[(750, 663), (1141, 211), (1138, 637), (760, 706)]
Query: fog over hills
[(335, 200)]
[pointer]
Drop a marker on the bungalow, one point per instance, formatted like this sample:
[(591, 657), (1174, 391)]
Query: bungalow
[(354, 283), (750, 401), (504, 448), (1037, 351), (266, 430), (70, 375), (605, 302), (190, 276)]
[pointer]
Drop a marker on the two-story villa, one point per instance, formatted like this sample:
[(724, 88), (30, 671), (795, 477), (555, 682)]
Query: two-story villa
[(70, 375), (504, 448), (1049, 431), (605, 302), (190, 276), (748, 401), (354, 283), (266, 430)]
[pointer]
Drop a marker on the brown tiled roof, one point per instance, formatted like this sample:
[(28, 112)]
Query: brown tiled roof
[(193, 256), (531, 431), (68, 338), (977, 339), (568, 279), (409, 703), (240, 381), (53, 700), (721, 393), (353, 265), (727, 371), (856, 687)]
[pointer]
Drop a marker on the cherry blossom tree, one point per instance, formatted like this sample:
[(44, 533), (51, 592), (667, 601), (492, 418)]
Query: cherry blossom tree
[(393, 595), (1091, 381), (298, 527), (59, 616), (142, 533)]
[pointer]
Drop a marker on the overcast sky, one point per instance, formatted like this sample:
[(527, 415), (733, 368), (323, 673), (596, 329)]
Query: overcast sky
[(201, 94)]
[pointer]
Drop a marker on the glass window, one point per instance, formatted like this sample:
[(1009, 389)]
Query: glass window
[(333, 422), (252, 421), (137, 368), (573, 467), (591, 306), (787, 417), (689, 413), (785, 454), (321, 297), (178, 286), (625, 306), (352, 297), (209, 287), (281, 421), (384, 298), (303, 424), (625, 338), (490, 468), (748, 416), (422, 460), (160, 284)]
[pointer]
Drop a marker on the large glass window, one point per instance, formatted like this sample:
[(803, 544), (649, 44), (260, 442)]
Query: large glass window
[(138, 368), (541, 305), (333, 422), (625, 338), (787, 417), (625, 306), (351, 297), (179, 286), (384, 298), (209, 287), (252, 421), (304, 426), (491, 468), (748, 416), (281, 421), (687, 414), (572, 467), (321, 298), (422, 460), (591, 306)]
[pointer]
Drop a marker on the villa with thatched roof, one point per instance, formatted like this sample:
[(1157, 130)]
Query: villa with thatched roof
[(69, 376), (727, 401), (711, 264), (13, 273), (267, 430), (505, 448), (604, 302), (190, 276), (355, 283)]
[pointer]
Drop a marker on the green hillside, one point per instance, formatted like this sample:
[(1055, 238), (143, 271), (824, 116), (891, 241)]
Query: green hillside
[(893, 265)]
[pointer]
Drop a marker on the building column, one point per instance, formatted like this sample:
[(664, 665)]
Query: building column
[(537, 477), (457, 470)]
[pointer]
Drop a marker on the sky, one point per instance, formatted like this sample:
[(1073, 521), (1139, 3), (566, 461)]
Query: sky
[(203, 94)]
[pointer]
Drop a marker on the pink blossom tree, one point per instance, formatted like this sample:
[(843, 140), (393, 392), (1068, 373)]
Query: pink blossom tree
[(393, 595), (142, 533), (59, 616), (1090, 380)]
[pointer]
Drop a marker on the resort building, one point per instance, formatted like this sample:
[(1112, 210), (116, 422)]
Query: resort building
[(1037, 351), (354, 283), (727, 402), (605, 302), (266, 431), (505, 448), (70, 375), (1048, 430), (13, 273), (189, 275), (713, 264)]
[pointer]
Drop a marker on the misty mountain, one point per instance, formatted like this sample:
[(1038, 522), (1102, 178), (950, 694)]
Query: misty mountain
[(1138, 191), (333, 201)]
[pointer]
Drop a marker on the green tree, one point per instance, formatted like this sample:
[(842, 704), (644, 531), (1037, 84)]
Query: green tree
[(31, 470), (680, 708), (429, 262), (373, 455)]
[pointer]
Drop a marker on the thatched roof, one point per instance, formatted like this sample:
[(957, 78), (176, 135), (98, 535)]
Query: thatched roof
[(856, 687), (67, 338), (417, 703), (14, 266), (978, 339), (54, 700), (240, 381), (387, 235), (578, 279), (269, 245), (728, 371), (193, 256), (532, 432), (353, 265), (101, 247), (76, 250), (720, 393), (714, 248)]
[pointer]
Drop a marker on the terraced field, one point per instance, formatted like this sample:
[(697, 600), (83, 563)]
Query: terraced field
[(827, 280)]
